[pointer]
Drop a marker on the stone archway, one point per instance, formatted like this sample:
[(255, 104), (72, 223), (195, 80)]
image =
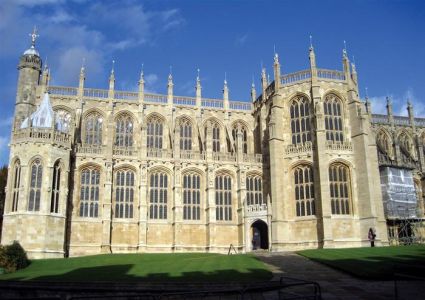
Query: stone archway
[(259, 235)]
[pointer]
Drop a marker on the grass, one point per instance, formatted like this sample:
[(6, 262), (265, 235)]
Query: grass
[(146, 267), (377, 263)]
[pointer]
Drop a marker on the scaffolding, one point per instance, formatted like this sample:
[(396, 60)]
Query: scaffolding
[(405, 218)]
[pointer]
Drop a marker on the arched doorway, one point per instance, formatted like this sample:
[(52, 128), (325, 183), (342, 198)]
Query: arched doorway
[(260, 235)]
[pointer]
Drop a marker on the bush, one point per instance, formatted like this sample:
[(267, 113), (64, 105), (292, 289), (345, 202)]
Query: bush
[(13, 257)]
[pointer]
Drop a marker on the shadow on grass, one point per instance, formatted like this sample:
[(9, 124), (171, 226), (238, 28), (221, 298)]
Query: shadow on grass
[(120, 273), (373, 267)]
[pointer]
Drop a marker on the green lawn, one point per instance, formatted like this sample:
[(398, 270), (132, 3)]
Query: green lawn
[(373, 263), (146, 267)]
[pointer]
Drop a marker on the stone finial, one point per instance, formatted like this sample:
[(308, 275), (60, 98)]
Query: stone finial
[(170, 87), (253, 92), (225, 93), (198, 89)]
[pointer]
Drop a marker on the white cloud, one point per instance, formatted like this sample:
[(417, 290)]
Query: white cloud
[(241, 40), (399, 103), (6, 122), (4, 141)]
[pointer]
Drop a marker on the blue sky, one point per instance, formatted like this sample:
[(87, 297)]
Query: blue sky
[(386, 38)]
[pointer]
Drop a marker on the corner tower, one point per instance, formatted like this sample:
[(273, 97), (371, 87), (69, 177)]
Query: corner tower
[(29, 68)]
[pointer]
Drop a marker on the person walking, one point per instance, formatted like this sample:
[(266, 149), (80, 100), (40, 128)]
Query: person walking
[(371, 236)]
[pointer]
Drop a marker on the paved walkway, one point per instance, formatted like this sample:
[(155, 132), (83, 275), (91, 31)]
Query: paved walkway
[(336, 284)]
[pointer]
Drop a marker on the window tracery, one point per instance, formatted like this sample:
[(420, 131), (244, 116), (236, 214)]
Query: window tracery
[(54, 201), (89, 192), (185, 135), (191, 196), (93, 129), (16, 183), (124, 193), (254, 190), (223, 197), (304, 191), (154, 133), (339, 184), (35, 185), (124, 131), (300, 120), (333, 119), (63, 120), (158, 195)]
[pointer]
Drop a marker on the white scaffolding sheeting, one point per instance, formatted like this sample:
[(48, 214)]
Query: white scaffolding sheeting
[(398, 193)]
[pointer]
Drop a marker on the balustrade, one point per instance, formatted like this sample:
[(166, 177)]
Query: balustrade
[(62, 90), (256, 208), (403, 121), (95, 93), (224, 156), (189, 101), (192, 155), (299, 148), (335, 146), (155, 98), (380, 119), (45, 135), (90, 149), (295, 77), (124, 151), (239, 105), (330, 74), (158, 153), (126, 95), (212, 103)]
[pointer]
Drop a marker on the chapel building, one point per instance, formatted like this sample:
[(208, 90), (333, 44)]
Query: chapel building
[(301, 166)]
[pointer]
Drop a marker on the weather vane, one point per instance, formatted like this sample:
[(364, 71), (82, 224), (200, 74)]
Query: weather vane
[(33, 36)]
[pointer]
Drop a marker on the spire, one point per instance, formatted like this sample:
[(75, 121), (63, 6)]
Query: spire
[(276, 66), (198, 89), (112, 81), (312, 57), (225, 93), (263, 82), (253, 92), (410, 113), (142, 85), (82, 79), (345, 62), (170, 87)]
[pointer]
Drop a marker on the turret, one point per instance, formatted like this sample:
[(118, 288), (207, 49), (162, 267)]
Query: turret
[(29, 69)]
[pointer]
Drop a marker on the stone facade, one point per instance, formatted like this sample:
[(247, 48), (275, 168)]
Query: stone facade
[(119, 171)]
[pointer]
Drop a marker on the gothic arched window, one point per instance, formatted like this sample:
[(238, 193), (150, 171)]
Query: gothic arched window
[(124, 193), (89, 192), (333, 119), (215, 137), (384, 144), (300, 120), (124, 131), (406, 145), (239, 127), (185, 135), (16, 179), (54, 199), (339, 185), (223, 197), (154, 133), (158, 195), (304, 191), (93, 129), (254, 190), (63, 120), (191, 197), (35, 185)]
